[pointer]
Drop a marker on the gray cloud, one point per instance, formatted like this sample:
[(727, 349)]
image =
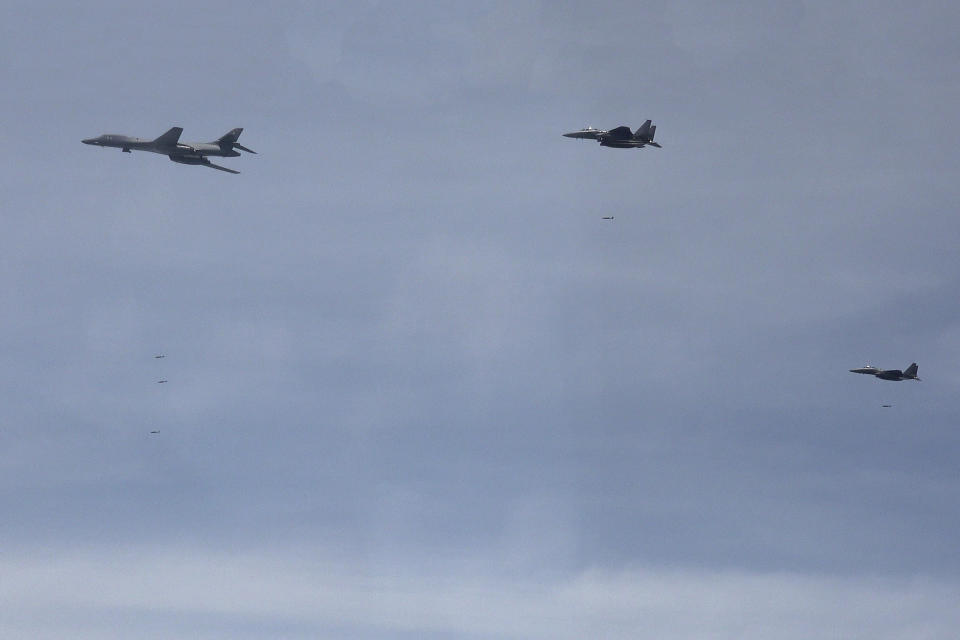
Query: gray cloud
[(281, 594)]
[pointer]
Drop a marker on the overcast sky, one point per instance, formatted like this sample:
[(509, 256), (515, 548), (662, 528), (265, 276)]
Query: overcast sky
[(418, 388)]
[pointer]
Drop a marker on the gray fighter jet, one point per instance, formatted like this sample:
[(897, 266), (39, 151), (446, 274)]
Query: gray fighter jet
[(620, 137), (183, 152), (896, 375)]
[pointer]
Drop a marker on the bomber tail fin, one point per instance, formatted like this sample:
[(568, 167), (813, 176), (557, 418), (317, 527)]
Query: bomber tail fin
[(231, 136), (170, 138), (911, 371)]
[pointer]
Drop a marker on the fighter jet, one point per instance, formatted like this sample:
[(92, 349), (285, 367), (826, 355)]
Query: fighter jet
[(161, 382), (157, 431), (620, 137), (160, 356), (895, 375), (183, 152), (607, 218)]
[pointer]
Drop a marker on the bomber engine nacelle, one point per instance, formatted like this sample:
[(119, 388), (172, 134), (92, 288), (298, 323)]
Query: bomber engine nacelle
[(227, 151)]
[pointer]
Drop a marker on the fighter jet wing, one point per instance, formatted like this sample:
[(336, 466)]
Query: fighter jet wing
[(620, 133), (216, 166)]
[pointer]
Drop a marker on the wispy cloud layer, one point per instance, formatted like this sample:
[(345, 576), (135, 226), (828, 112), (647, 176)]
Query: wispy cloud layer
[(304, 595)]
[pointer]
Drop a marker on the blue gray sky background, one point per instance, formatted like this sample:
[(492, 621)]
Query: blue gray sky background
[(417, 387)]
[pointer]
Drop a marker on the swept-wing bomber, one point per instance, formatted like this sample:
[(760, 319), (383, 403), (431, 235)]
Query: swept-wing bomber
[(895, 375), (183, 152), (620, 137)]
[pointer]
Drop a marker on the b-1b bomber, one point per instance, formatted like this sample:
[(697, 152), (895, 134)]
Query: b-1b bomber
[(620, 137), (183, 152)]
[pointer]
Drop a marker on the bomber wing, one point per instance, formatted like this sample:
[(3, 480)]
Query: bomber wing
[(170, 138), (216, 166)]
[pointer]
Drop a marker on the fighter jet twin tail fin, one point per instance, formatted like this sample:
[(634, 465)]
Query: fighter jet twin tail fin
[(646, 133)]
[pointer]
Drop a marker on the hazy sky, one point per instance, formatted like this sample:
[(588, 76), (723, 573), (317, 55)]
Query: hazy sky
[(417, 387)]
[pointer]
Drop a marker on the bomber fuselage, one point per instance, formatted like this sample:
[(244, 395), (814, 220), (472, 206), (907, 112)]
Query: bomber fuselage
[(129, 143), (122, 142)]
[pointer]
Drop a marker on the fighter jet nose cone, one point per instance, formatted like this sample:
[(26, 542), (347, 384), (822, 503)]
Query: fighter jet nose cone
[(88, 141)]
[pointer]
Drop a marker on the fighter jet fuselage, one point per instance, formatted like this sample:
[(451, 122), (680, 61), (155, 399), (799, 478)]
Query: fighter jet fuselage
[(894, 375), (586, 134), (182, 152)]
